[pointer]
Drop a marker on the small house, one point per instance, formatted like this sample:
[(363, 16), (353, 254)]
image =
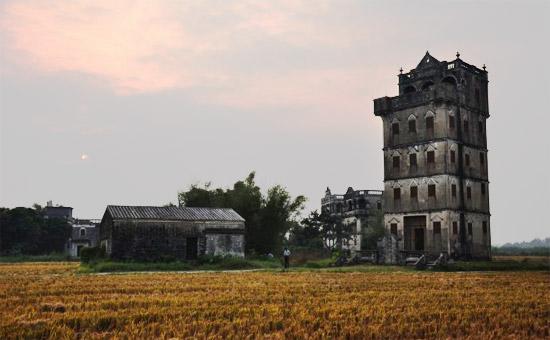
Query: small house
[(170, 232)]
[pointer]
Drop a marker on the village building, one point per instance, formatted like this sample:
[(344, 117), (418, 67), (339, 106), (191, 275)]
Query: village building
[(85, 233), (355, 208), (170, 232), (436, 187)]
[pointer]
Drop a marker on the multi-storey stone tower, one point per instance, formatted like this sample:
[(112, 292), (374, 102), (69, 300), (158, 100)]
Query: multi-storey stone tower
[(436, 188)]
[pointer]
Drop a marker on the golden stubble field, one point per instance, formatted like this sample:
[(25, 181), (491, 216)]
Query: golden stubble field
[(48, 300)]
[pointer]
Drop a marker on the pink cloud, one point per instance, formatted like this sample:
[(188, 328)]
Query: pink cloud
[(125, 43), (149, 46)]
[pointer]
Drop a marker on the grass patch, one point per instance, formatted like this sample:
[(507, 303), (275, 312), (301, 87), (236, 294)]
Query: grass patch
[(54, 257), (496, 266), (204, 263)]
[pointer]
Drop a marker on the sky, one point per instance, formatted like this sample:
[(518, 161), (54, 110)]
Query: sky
[(129, 102)]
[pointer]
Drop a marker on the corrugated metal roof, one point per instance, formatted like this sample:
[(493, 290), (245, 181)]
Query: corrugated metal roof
[(173, 213)]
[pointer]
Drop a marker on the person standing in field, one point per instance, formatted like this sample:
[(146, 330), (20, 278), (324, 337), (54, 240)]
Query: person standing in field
[(286, 255)]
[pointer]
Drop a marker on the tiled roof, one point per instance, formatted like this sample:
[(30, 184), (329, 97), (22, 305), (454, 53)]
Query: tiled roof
[(173, 213)]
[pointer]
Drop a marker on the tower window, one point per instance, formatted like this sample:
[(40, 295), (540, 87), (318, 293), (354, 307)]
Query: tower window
[(395, 128), (453, 190), (483, 189), (466, 127), (453, 158), (470, 231), (414, 192), (431, 157), (430, 123), (431, 190), (379, 205), (412, 125), (396, 160), (477, 96), (451, 122), (482, 159), (437, 227), (412, 160), (455, 228), (467, 159), (469, 192), (484, 227), (396, 194), (480, 127)]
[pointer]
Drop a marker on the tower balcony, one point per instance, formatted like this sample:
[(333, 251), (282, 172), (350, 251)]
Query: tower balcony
[(386, 105)]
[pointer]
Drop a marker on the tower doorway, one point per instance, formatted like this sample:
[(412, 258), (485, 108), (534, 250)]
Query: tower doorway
[(415, 232)]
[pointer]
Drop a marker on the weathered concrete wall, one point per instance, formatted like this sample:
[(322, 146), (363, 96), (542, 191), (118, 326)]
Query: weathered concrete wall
[(154, 240), (225, 244), (445, 196), (448, 241)]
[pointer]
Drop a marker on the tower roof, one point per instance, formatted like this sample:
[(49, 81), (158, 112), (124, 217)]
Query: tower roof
[(427, 61)]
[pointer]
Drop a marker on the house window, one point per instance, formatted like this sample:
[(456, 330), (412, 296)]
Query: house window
[(470, 232), (393, 229), (467, 159), (455, 228), (395, 128), (412, 125), (453, 157), (430, 123), (412, 160), (431, 157), (396, 160), (469, 192), (396, 193), (82, 232), (437, 227), (466, 127), (431, 190), (453, 190), (484, 227), (482, 159), (414, 192), (452, 122)]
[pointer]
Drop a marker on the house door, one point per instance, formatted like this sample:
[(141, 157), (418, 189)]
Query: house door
[(415, 227), (192, 248), (78, 249), (419, 239)]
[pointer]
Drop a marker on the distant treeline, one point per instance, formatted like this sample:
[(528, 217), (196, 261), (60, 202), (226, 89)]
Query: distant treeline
[(533, 251), (25, 231)]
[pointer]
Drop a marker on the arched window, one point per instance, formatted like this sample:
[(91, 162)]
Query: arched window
[(395, 128), (82, 232), (429, 122), (412, 124), (427, 85), (449, 80)]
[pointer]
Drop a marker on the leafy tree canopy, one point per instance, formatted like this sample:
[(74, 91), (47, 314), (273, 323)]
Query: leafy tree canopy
[(268, 217)]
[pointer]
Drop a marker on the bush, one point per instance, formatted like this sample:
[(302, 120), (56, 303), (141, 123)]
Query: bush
[(91, 254)]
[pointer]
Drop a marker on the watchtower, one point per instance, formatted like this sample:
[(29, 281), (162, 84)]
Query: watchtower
[(436, 187)]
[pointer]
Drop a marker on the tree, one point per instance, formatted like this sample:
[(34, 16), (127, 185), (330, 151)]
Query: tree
[(307, 233), (334, 231), (27, 231), (267, 218), (373, 232)]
